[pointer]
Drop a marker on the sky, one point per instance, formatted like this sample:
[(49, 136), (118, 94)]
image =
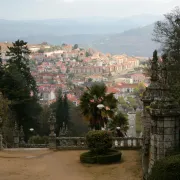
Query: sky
[(54, 9)]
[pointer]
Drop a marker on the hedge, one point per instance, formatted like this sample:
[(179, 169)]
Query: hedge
[(112, 156), (166, 169), (99, 141)]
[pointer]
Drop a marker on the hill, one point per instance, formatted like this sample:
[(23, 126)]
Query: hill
[(137, 42)]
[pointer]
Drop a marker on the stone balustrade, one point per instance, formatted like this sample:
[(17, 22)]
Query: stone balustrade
[(79, 143)]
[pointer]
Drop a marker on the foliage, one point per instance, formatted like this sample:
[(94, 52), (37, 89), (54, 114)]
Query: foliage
[(43, 121), (167, 33), (112, 156), (99, 141), (75, 46), (123, 103), (138, 122), (138, 91), (132, 102), (18, 85), (120, 120), (78, 126), (61, 109), (38, 140), (166, 169), (93, 96), (88, 54)]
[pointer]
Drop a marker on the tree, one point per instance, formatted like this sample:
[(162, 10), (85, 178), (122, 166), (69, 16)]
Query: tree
[(167, 33), (138, 91), (18, 56), (43, 121), (18, 85), (94, 96), (120, 120), (123, 103), (66, 117), (58, 110), (75, 46), (87, 54), (132, 102)]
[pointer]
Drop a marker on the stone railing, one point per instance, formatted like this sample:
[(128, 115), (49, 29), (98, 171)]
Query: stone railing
[(34, 145), (79, 143)]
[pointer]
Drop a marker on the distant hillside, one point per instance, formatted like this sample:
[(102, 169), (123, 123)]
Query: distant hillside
[(104, 34), (137, 42)]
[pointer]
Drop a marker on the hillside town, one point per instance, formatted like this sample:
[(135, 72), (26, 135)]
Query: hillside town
[(72, 69)]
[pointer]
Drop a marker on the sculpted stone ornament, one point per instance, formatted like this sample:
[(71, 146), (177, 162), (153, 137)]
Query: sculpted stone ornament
[(52, 135), (16, 136)]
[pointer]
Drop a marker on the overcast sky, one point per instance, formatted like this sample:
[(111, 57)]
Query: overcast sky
[(52, 9)]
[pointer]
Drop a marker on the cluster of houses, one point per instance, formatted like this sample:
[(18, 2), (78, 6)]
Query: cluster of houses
[(54, 66)]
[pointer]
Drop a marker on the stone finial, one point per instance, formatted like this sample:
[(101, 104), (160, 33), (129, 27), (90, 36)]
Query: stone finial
[(22, 135), (52, 121)]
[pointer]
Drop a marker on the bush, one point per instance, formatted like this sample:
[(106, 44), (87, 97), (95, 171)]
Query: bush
[(166, 169), (38, 140), (112, 156), (99, 141), (88, 157)]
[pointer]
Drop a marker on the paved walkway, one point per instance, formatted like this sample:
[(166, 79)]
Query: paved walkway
[(65, 165)]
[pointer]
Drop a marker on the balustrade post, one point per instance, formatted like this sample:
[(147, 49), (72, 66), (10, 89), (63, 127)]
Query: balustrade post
[(1, 137), (16, 136), (22, 142), (52, 135)]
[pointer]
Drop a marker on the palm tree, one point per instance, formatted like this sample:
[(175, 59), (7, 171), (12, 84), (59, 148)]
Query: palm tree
[(119, 120), (89, 101)]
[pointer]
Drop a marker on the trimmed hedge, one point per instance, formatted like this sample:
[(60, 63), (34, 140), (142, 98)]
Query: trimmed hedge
[(88, 157), (166, 169), (112, 156), (99, 142)]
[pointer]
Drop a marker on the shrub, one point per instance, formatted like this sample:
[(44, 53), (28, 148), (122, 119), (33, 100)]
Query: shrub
[(88, 157), (166, 169), (112, 156), (38, 140), (99, 141)]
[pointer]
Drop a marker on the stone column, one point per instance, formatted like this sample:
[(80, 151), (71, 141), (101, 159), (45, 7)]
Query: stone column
[(16, 136), (22, 142), (1, 137), (1, 142), (152, 92), (165, 124), (52, 135), (165, 129)]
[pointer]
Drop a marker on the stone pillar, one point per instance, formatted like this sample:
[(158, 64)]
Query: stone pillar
[(16, 136), (52, 135), (165, 128), (1, 142), (1, 137), (165, 124), (22, 142), (152, 92)]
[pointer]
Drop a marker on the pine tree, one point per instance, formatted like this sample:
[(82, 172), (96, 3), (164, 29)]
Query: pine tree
[(66, 110), (18, 56), (17, 84)]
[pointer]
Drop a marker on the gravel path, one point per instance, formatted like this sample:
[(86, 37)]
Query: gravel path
[(65, 165)]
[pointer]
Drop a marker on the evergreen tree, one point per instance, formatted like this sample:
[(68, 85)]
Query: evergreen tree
[(66, 110), (58, 110), (18, 56), (18, 85), (167, 33)]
